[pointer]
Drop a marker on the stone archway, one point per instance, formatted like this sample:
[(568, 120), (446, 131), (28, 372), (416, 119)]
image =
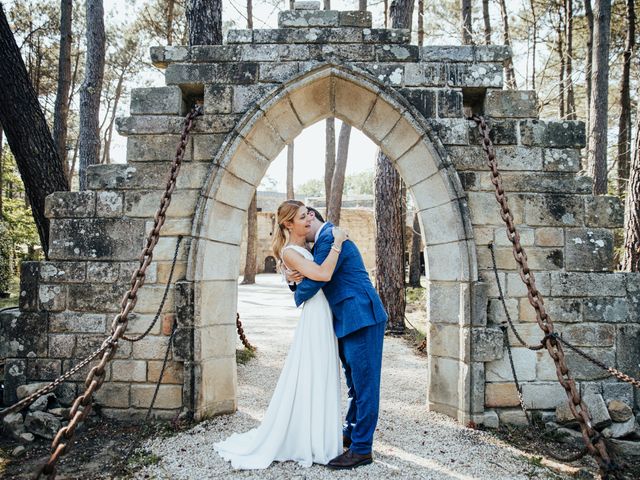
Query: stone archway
[(456, 385)]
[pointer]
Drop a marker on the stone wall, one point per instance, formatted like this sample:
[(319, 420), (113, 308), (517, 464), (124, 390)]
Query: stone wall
[(259, 91)]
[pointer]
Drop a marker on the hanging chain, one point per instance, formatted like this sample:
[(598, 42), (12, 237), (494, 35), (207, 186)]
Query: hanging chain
[(243, 337), (576, 404), (82, 404)]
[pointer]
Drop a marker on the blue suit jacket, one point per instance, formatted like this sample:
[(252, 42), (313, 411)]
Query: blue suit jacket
[(354, 302)]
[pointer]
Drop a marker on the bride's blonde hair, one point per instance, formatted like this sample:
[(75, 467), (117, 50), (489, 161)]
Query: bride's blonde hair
[(286, 213)]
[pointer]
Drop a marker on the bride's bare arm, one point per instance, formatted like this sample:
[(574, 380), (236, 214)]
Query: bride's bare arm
[(310, 269)]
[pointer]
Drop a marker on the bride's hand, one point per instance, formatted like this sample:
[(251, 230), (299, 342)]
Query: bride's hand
[(339, 235)]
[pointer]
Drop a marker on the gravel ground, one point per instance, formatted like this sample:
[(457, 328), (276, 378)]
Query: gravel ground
[(411, 442)]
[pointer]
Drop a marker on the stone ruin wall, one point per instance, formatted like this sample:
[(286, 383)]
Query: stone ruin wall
[(67, 303)]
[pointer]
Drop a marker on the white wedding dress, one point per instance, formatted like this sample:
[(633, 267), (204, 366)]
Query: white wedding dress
[(303, 422)]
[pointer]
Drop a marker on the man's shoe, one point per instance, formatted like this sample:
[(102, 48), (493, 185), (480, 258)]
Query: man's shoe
[(349, 460), (346, 441)]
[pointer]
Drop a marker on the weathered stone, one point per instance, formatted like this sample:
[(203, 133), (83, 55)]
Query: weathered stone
[(584, 370), (279, 72), (550, 210), (524, 361), (558, 134), (157, 101), (499, 395), (566, 310), (598, 410), (76, 322), (306, 5), (564, 415), (387, 73), (491, 419), (216, 53), (628, 349), (589, 249), (202, 73), (549, 237), (246, 96), (384, 35), (619, 411), (308, 35), (43, 403), (128, 371), (503, 132), (61, 346), (23, 334), (42, 424), (425, 75), (465, 53), (589, 334), (570, 437), (579, 284), (66, 394), (70, 204), (604, 211), (623, 429), (13, 424), (140, 148), (342, 53), (510, 103), (90, 297), (474, 75), (422, 99), (624, 449), (543, 395), (622, 392), (450, 103), (29, 279), (102, 272), (355, 18), (63, 413), (62, 272), (18, 451), (239, 36), (306, 19), (90, 239), (162, 56), (109, 204), (43, 368), (26, 437), (561, 160), (451, 131), (512, 417), (114, 395), (396, 53), (606, 309), (218, 99), (169, 396), (510, 157)]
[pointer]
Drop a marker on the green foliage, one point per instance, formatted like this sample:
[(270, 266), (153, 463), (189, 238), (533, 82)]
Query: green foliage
[(5, 258), (361, 183), (310, 188), (243, 356)]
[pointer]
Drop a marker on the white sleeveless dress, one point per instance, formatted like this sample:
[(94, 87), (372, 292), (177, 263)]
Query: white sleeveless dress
[(303, 422)]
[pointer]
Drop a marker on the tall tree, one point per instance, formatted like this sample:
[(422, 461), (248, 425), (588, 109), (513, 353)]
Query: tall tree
[(420, 22), (568, 24), (362, 5), (465, 24), (27, 132), (169, 20), (61, 109), (204, 18), (334, 202), (599, 96), (327, 4), (506, 36), (250, 14), (91, 90), (290, 158), (588, 70), (388, 214), (414, 258), (631, 255), (534, 43), (561, 56), (624, 122), (487, 22), (329, 155), (250, 264), (1, 171)]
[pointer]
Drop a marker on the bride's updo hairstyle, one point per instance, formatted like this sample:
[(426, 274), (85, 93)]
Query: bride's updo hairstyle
[(287, 212)]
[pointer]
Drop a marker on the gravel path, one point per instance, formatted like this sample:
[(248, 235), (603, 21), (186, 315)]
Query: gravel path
[(410, 442)]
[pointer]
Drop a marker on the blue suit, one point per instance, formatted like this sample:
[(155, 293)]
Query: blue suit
[(359, 320)]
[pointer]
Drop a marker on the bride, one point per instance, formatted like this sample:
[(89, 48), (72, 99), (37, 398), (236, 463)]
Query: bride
[(303, 421)]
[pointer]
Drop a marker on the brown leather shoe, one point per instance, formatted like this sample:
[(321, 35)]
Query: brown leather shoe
[(346, 441), (349, 460)]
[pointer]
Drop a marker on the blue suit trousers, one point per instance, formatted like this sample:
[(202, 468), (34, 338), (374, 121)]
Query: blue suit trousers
[(361, 356)]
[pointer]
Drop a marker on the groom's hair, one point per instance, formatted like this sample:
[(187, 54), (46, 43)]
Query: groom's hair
[(316, 213)]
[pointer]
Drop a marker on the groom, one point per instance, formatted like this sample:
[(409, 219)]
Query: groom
[(359, 321)]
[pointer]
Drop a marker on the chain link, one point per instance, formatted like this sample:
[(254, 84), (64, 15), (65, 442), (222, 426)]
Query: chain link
[(243, 337), (82, 405), (554, 348)]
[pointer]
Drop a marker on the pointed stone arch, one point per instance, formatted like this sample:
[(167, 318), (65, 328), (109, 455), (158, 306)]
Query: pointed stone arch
[(237, 169)]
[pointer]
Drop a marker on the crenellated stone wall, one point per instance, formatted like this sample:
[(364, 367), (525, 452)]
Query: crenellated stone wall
[(260, 90)]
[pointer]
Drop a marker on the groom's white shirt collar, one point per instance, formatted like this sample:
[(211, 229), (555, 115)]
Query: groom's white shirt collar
[(318, 232)]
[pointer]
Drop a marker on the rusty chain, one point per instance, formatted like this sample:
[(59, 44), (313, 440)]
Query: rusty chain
[(243, 337), (82, 404), (554, 347)]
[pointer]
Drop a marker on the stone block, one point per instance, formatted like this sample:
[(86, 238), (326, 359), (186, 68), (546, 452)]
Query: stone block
[(127, 269), (306, 5), (526, 237), (42, 424), (23, 334), (15, 375), (227, 224), (582, 369), (606, 309), (444, 304), (620, 412), (145, 203), (565, 310), (43, 368), (624, 449), (512, 417), (510, 103), (77, 322), (150, 297), (524, 361), (215, 53), (589, 249), (279, 72), (169, 396), (583, 284), (425, 75), (157, 101), (29, 279), (89, 297), (218, 99), (620, 391), (138, 323), (239, 36), (604, 211), (450, 103), (549, 237), (387, 73), (62, 272), (87, 344), (102, 272), (61, 346), (246, 96), (234, 73), (589, 334), (517, 288), (386, 35), (162, 56), (109, 204), (502, 132), (543, 395), (308, 35), (400, 139), (598, 410), (557, 134), (140, 148), (500, 395), (70, 204), (128, 371), (509, 157), (487, 344), (479, 301), (465, 53), (554, 210), (96, 238), (423, 99), (444, 377), (396, 53), (485, 210), (355, 18), (561, 160), (451, 131), (442, 224), (52, 298), (216, 341), (496, 313), (487, 75), (308, 18), (628, 349), (491, 419), (173, 373), (115, 395), (150, 348), (380, 121), (352, 102)]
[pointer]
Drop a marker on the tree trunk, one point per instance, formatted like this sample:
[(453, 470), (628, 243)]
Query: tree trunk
[(106, 156), (250, 14), (571, 101), (599, 96), (250, 264), (1, 173), (327, 4), (169, 24), (487, 22), (91, 89), (362, 5), (420, 22), (624, 122), (290, 157), (588, 68), (467, 32), (389, 242), (329, 156), (386, 13), (61, 109), (334, 203), (534, 44), (205, 22), (401, 13), (560, 51), (416, 249), (27, 132), (631, 256), (508, 66)]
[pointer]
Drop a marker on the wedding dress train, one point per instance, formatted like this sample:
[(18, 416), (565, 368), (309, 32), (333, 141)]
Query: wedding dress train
[(303, 422)]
